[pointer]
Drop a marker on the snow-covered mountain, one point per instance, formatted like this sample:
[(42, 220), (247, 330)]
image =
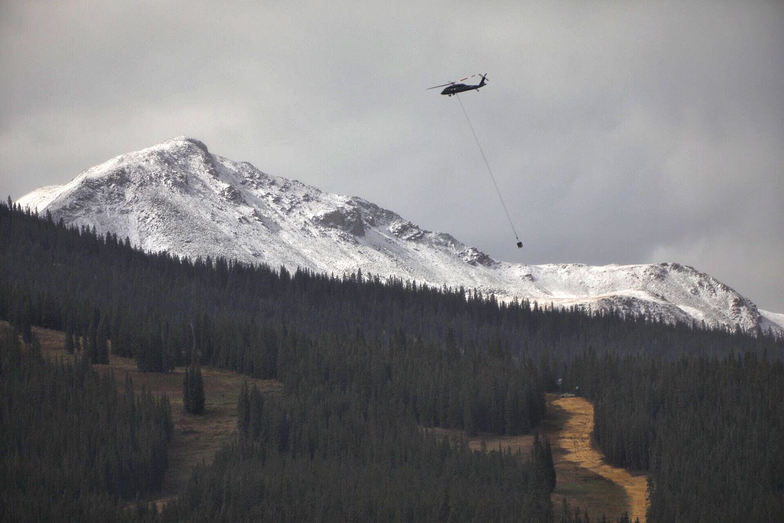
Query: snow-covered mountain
[(177, 196)]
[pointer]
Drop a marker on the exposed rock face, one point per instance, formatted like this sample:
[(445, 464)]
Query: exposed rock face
[(346, 219)]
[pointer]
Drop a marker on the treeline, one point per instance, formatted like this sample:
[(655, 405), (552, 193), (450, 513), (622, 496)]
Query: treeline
[(158, 308), (708, 430), (72, 445)]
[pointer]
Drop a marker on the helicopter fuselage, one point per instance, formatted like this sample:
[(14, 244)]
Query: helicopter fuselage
[(459, 88)]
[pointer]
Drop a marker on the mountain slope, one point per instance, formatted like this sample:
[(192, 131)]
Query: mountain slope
[(177, 196)]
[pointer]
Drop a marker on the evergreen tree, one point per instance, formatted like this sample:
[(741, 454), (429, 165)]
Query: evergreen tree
[(186, 391), (69, 339), (243, 409), (549, 465), (101, 350), (25, 321), (544, 467), (193, 390), (93, 347)]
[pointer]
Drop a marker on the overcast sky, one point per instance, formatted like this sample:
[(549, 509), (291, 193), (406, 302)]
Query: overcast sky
[(619, 132)]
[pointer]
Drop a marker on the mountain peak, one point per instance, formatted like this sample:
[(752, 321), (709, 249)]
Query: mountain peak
[(187, 140), (178, 197)]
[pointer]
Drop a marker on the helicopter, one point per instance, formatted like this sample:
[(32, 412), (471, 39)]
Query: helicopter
[(455, 87)]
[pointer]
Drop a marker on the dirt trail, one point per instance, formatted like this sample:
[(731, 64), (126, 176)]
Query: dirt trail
[(574, 439)]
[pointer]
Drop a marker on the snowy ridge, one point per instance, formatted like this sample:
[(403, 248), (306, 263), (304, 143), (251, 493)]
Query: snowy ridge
[(178, 197)]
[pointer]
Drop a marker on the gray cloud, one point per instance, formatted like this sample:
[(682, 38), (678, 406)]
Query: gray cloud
[(618, 133)]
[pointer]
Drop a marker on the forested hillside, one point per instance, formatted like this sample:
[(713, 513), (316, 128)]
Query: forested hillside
[(366, 365), (72, 445)]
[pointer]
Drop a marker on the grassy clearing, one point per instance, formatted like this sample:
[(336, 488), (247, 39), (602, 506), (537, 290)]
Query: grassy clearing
[(195, 438)]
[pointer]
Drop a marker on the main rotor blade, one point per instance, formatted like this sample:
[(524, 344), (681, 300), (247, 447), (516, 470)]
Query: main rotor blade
[(461, 80)]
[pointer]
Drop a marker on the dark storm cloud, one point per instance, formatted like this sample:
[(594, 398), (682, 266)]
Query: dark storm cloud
[(619, 133)]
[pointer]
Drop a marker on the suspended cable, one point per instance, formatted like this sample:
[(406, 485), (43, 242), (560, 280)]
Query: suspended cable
[(490, 171)]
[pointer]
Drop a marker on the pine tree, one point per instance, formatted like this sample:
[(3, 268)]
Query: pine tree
[(193, 390), (243, 409), (198, 391), (92, 337), (69, 339), (101, 348), (544, 468), (26, 322), (549, 465), (186, 391)]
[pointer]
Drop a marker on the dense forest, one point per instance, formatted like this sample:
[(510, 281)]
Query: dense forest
[(367, 363), (72, 445)]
